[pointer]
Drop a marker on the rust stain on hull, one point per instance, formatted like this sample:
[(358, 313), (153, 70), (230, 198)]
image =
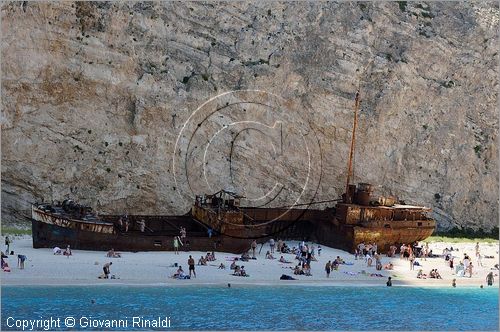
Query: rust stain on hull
[(233, 227)]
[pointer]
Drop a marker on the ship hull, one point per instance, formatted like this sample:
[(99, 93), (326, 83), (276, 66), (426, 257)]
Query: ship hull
[(347, 237), (54, 228), (49, 236)]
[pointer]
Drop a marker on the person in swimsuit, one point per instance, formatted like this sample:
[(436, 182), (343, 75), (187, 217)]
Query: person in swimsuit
[(176, 244), (191, 266), (489, 279), (105, 269)]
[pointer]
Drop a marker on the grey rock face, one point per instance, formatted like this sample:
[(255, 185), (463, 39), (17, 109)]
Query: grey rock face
[(136, 106)]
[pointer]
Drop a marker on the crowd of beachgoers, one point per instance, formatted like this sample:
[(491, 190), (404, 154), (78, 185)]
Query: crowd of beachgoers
[(275, 260)]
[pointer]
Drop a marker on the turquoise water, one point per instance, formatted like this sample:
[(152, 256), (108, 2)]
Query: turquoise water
[(255, 308)]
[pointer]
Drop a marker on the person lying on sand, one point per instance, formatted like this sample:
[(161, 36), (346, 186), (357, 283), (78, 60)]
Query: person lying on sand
[(113, 254), (283, 260), (245, 257), (57, 251), (388, 266)]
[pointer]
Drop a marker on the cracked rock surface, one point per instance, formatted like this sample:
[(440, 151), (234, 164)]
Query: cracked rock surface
[(127, 106)]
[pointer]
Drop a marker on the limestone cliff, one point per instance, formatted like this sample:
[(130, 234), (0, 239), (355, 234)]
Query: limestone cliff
[(137, 106)]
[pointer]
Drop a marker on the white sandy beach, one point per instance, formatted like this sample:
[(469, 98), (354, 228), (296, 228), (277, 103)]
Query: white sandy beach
[(155, 268)]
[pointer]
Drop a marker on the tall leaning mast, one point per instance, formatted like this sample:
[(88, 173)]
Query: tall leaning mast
[(348, 195)]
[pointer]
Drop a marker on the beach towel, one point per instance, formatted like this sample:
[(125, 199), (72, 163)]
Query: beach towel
[(351, 273), (349, 263)]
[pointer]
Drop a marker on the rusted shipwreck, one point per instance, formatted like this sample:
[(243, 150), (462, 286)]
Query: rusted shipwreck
[(232, 227), (218, 222)]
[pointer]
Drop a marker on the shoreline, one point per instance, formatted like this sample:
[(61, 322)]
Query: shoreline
[(284, 283)]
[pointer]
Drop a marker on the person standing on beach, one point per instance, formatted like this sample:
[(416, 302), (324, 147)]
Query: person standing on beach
[(280, 246), (401, 251), (328, 268), (477, 249), (361, 248), (412, 259), (191, 266), (176, 245), (489, 279), (20, 261), (142, 225), (389, 282), (466, 263), (470, 270), (105, 269), (272, 244), (254, 246), (7, 244)]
